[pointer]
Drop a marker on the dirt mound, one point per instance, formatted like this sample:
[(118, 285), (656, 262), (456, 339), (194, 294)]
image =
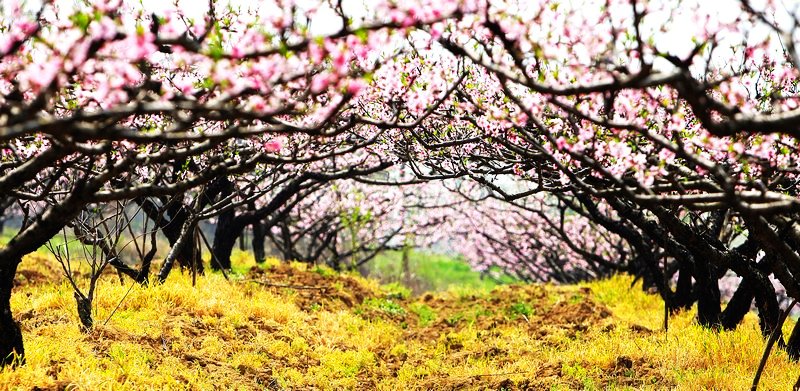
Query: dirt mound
[(37, 269), (312, 289), (633, 372), (583, 312), (511, 306), (624, 372)]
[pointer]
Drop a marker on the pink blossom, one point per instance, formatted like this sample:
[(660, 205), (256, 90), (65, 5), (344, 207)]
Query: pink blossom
[(316, 52), (45, 73), (561, 143), (340, 62), (273, 146), (105, 29), (139, 46), (355, 86), (237, 52), (321, 81)]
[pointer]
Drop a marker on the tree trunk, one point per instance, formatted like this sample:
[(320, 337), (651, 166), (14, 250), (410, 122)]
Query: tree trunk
[(243, 241), (406, 266), (683, 297), (4, 205), (12, 351), (187, 235), (793, 346), (708, 296), (225, 235), (766, 302), (258, 242), (84, 312), (738, 306), (171, 226)]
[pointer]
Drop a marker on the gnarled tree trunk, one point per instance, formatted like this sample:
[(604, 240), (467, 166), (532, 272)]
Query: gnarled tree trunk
[(11, 347)]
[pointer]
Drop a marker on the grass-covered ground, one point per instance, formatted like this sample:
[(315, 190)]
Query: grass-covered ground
[(292, 327), (430, 272)]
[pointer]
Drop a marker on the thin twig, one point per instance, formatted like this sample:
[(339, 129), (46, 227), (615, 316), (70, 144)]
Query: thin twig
[(119, 304)]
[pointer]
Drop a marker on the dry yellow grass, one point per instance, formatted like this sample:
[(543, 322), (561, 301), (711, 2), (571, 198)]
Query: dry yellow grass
[(333, 331)]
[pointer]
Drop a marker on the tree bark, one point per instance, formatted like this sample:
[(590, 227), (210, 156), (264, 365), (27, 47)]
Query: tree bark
[(186, 236), (708, 296), (793, 345), (258, 242), (84, 312), (12, 351), (684, 295), (738, 306), (227, 231)]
